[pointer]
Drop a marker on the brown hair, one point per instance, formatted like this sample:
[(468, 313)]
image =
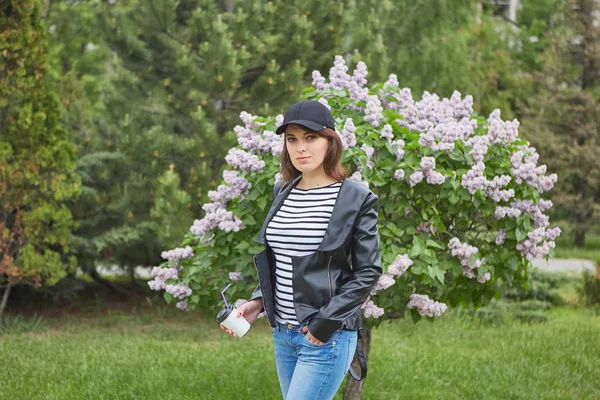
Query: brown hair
[(331, 163)]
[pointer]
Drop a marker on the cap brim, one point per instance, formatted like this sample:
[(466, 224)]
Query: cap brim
[(313, 126)]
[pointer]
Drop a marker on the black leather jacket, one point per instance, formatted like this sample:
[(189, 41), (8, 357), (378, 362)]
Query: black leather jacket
[(332, 283)]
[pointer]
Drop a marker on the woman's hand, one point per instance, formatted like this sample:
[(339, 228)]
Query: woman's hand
[(249, 311), (310, 337)]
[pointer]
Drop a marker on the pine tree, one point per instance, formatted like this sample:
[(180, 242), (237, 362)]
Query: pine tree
[(436, 45), (563, 119), (184, 72), (36, 160)]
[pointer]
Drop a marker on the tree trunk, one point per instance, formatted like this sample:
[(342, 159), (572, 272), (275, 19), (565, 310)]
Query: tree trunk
[(132, 275), (96, 277), (579, 237), (5, 300), (354, 389)]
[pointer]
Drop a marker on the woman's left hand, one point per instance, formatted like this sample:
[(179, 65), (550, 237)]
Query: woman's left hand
[(310, 337)]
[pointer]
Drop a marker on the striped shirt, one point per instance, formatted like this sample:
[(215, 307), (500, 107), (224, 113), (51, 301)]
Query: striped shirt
[(297, 229)]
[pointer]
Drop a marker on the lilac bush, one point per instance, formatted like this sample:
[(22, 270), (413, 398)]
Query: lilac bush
[(461, 207)]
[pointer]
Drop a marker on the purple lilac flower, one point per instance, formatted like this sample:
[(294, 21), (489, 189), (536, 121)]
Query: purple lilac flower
[(392, 81), (502, 212), (464, 253), (461, 108), (236, 276), (385, 281), (248, 120), (216, 217), (399, 149), (360, 74), (348, 135), (178, 253), (236, 187), (480, 147), (441, 122), (338, 76), (435, 178), (357, 176), (501, 236), (387, 133), (484, 278), (399, 265), (474, 179), (425, 306), (373, 113), (318, 81), (494, 192), (538, 243), (160, 276), (427, 164), (178, 291), (502, 132), (415, 178), (369, 152), (182, 305), (528, 171), (245, 161), (399, 174), (371, 309)]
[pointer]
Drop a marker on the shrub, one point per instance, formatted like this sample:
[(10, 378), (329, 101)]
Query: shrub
[(460, 194), (590, 288)]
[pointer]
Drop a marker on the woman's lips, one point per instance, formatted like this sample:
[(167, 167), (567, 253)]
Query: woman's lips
[(303, 158)]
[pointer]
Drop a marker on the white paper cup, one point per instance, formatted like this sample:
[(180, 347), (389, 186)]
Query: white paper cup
[(228, 317)]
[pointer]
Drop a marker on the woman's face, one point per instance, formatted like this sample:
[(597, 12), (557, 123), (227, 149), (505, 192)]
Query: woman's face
[(306, 149)]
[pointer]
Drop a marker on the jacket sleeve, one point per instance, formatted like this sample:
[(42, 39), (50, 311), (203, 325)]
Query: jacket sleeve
[(257, 294), (366, 266)]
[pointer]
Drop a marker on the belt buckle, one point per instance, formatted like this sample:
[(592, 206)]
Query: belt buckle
[(290, 326)]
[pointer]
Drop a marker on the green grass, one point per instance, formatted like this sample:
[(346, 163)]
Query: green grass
[(174, 355), (590, 251)]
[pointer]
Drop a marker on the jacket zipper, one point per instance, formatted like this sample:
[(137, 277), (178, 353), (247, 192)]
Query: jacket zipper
[(329, 277), (261, 286)]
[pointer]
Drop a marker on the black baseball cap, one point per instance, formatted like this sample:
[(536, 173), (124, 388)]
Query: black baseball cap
[(309, 113)]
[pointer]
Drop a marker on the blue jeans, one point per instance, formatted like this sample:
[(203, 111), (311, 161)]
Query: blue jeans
[(310, 371)]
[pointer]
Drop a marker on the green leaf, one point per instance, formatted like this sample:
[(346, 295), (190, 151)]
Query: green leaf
[(440, 276), (262, 203), (418, 246), (520, 234), (242, 246), (454, 197), (433, 243), (414, 314)]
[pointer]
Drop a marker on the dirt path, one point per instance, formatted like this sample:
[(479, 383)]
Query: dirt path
[(574, 265)]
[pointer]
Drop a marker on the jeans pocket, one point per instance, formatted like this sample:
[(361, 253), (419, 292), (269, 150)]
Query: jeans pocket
[(329, 343)]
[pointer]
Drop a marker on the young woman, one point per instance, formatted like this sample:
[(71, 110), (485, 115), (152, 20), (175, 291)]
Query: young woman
[(310, 291)]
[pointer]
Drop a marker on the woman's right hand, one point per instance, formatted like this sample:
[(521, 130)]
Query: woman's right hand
[(249, 311)]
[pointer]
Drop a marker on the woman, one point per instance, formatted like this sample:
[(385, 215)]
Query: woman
[(311, 294)]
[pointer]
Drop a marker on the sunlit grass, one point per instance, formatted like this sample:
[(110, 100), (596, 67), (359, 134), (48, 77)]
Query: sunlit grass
[(174, 355)]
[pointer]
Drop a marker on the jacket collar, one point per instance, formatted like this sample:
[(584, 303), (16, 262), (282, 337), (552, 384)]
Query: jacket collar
[(346, 206)]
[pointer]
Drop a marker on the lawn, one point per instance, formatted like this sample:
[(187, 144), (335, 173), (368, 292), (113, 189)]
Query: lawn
[(590, 251), (159, 353)]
